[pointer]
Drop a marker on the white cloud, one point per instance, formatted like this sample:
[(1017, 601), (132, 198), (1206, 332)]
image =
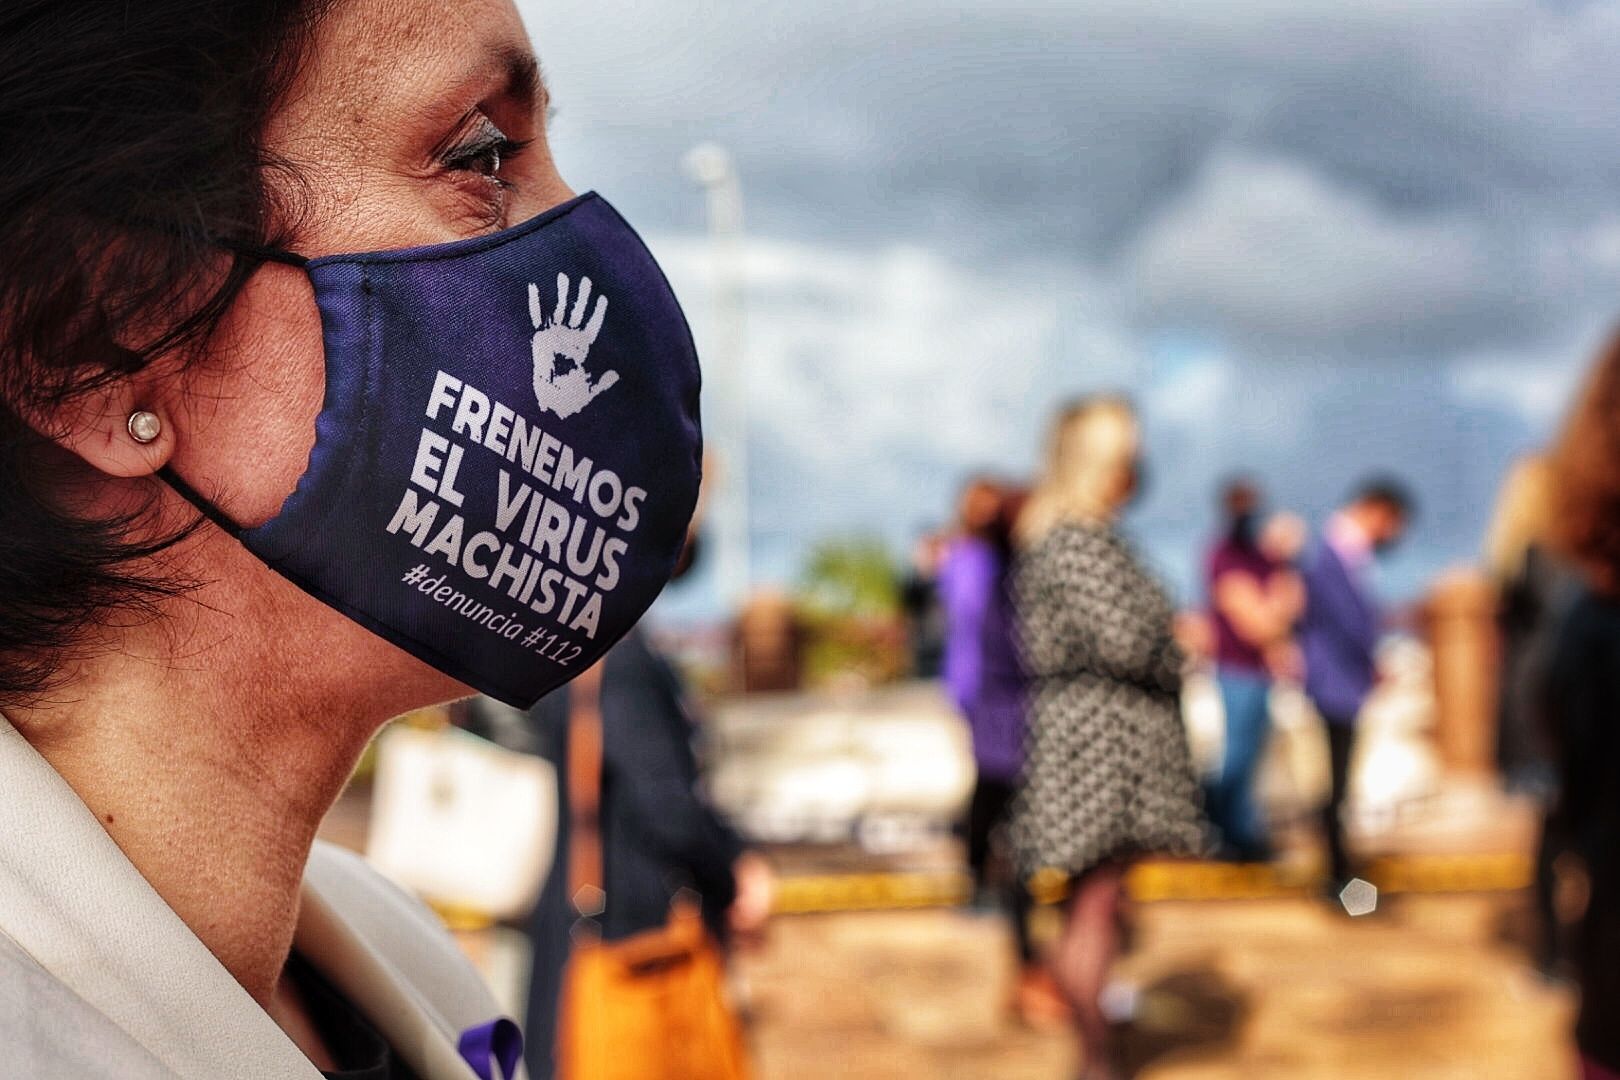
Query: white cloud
[(1266, 249), (856, 358), (1191, 396), (1539, 394)]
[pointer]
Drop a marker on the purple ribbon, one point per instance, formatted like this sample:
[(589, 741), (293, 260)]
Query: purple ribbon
[(499, 1039)]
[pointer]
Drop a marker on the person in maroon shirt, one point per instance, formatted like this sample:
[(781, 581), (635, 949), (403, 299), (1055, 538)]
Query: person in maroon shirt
[(1254, 600)]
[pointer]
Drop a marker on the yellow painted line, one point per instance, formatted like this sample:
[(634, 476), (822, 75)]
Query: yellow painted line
[(1156, 881), (801, 895), (461, 917), (1149, 882), (1452, 873)]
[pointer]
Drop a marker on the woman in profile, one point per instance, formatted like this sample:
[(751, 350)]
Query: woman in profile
[(269, 271), (1109, 777)]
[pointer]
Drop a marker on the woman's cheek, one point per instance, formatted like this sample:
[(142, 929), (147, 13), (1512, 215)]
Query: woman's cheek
[(476, 204), (249, 424)]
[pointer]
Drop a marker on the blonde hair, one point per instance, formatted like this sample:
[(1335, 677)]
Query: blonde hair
[(1525, 511), (1585, 478), (1090, 456)]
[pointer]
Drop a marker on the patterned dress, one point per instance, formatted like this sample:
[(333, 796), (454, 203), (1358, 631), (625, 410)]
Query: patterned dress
[(1109, 774)]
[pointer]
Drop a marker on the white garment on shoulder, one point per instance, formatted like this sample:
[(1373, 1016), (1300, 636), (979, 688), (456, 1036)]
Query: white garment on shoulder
[(100, 978)]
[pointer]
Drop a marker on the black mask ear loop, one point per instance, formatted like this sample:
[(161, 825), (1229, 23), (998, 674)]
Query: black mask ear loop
[(204, 507), (265, 254), (167, 474)]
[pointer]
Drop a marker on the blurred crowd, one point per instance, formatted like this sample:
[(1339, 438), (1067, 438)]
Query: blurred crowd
[(1066, 657)]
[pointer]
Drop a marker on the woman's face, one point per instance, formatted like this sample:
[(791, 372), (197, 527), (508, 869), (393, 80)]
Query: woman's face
[(414, 122), (978, 507)]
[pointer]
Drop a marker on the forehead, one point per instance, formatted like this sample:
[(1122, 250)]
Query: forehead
[(373, 60)]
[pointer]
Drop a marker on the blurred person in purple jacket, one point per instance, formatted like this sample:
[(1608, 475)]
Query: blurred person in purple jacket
[(984, 675), (976, 625), (1340, 632)]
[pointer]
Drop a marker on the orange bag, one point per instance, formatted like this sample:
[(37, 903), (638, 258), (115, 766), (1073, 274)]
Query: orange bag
[(652, 1006)]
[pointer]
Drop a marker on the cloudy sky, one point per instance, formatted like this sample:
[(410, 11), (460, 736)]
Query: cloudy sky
[(1311, 238)]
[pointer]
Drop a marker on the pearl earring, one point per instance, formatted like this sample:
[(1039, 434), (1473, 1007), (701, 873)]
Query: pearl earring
[(144, 426)]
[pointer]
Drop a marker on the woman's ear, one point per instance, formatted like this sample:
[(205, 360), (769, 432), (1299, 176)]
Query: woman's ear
[(114, 428)]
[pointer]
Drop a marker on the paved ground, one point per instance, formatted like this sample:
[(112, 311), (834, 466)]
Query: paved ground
[(1270, 986), (1431, 987), (1273, 985)]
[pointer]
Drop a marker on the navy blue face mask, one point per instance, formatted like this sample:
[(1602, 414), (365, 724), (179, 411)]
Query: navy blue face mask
[(509, 450)]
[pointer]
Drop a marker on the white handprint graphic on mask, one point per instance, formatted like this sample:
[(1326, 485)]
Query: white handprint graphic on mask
[(561, 344)]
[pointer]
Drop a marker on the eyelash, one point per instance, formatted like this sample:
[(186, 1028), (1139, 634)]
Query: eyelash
[(489, 145)]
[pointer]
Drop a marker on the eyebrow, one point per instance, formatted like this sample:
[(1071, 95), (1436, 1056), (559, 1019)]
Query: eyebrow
[(523, 78)]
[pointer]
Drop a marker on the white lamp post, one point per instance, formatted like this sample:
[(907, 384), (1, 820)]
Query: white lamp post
[(710, 165)]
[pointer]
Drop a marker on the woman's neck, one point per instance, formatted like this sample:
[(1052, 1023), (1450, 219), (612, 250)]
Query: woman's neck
[(213, 782)]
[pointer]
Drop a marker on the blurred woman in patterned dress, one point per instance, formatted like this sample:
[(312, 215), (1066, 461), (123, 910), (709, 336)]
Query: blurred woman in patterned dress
[(1109, 777)]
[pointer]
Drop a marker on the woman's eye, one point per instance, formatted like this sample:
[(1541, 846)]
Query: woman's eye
[(486, 162), (482, 151)]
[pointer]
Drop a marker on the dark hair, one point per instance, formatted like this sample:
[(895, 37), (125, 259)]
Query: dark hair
[(1240, 507), (979, 483), (1586, 477), (1003, 531), (133, 183), (1387, 491), (1239, 495)]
